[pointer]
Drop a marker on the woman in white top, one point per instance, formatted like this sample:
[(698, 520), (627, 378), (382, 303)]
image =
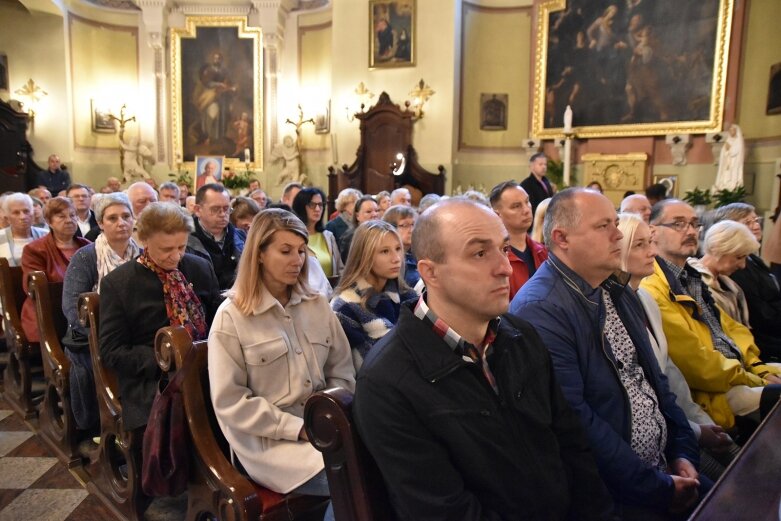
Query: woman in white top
[(638, 252), (272, 344)]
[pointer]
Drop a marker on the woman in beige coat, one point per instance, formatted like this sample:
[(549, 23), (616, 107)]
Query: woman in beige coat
[(272, 344)]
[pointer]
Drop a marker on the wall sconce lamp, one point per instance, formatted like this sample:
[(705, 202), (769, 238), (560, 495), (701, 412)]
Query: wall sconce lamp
[(364, 95), (420, 95), (34, 93)]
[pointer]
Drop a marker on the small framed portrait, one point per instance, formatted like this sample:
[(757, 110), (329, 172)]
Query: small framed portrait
[(208, 169), (493, 111), (101, 119), (323, 119), (391, 33), (774, 90)]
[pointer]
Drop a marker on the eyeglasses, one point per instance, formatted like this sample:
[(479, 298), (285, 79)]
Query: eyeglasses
[(680, 226), (217, 210), (756, 220), (313, 206)]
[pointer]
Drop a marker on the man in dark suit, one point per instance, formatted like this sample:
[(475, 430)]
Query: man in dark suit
[(537, 185)]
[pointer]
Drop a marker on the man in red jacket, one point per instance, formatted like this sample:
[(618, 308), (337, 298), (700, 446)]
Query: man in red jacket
[(511, 203)]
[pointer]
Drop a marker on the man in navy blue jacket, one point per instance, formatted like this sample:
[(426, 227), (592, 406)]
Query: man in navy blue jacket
[(596, 334)]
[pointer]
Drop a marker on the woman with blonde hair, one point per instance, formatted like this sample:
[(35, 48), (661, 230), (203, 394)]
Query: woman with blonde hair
[(539, 219), (727, 245), (638, 254), (273, 343), (372, 288)]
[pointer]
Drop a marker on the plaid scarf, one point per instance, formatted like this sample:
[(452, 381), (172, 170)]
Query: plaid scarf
[(181, 303)]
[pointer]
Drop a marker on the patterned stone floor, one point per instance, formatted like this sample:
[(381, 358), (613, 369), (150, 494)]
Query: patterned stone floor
[(35, 485)]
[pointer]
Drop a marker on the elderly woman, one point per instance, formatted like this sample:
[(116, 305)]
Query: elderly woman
[(638, 253), (727, 244), (273, 343), (372, 289), (18, 209), (760, 288), (112, 248), (383, 200), (243, 211), (50, 254), (308, 206), (39, 221), (163, 287), (403, 219), (365, 209), (345, 204)]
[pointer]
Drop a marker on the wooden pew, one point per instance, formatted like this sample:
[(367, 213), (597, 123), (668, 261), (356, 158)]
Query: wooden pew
[(750, 488), (55, 416), (357, 490), (23, 369), (216, 489), (116, 467)]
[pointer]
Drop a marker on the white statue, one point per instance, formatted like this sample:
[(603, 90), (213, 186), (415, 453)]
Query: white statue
[(730, 175), (137, 158), (287, 152)]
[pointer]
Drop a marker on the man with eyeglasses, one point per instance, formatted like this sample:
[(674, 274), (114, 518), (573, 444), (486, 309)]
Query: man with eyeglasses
[(716, 354), (215, 238)]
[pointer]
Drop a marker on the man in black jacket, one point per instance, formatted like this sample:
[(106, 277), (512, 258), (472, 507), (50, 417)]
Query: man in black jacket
[(537, 185), (459, 406), (215, 238)]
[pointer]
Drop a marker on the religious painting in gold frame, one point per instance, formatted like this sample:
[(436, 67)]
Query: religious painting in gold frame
[(634, 68), (391, 33), (217, 90)]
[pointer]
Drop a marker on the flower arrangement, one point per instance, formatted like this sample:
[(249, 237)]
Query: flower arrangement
[(698, 197), (181, 177), (236, 180), (727, 196)]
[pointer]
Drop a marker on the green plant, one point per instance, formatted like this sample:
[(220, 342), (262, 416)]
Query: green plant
[(698, 197), (727, 196), (555, 174), (236, 180), (182, 177)]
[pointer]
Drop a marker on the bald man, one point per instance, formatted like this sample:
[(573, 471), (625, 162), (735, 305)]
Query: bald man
[(141, 195)]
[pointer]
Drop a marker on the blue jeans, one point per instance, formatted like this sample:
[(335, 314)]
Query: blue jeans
[(318, 486)]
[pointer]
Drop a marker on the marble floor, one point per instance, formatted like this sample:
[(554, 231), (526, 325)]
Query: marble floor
[(35, 485)]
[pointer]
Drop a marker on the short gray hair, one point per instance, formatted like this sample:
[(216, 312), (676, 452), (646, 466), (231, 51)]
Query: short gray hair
[(733, 212), (428, 200), (169, 185), (16, 197), (562, 213), (108, 200), (729, 238)]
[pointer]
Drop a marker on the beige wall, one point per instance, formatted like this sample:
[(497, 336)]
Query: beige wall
[(34, 44)]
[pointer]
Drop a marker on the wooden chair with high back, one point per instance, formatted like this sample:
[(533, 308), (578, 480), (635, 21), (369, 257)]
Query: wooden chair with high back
[(357, 490), (386, 132), (116, 466), (23, 376), (55, 415), (216, 489)]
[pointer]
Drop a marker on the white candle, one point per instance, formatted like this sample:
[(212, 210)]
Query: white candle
[(568, 120), (567, 160), (246, 155), (334, 153)]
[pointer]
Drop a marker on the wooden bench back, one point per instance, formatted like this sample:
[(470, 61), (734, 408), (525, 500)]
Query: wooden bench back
[(357, 489), (105, 379), (216, 489), (12, 296)]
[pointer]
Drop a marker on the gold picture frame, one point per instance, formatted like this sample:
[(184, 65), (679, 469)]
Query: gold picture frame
[(572, 32), (217, 90), (392, 33)]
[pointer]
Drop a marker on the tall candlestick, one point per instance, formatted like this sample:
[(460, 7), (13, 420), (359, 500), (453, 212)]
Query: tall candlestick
[(334, 151), (567, 159), (246, 156)]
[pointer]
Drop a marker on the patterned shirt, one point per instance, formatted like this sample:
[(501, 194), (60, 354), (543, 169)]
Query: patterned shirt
[(692, 284), (649, 429), (470, 353)]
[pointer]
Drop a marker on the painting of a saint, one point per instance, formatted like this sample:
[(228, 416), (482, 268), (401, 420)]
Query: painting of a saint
[(208, 170), (634, 62), (392, 33), (217, 87)]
